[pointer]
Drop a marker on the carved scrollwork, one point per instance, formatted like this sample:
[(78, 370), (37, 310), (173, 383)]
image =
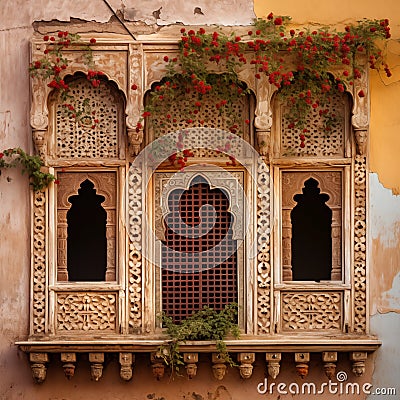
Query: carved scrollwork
[(89, 311), (135, 202), (360, 240), (309, 311), (39, 263), (263, 248)]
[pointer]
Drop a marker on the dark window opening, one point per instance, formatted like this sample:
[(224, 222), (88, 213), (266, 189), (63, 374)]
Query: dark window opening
[(311, 234), (86, 241), (199, 222)]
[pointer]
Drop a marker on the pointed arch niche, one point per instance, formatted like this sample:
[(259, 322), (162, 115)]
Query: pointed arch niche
[(99, 188)]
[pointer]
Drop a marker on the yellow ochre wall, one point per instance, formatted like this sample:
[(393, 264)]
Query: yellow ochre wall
[(384, 92)]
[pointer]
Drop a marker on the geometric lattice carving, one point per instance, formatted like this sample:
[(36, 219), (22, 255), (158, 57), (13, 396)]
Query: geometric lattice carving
[(317, 143), (311, 310), (207, 116), (135, 207), (39, 263), (105, 185), (86, 311), (330, 182), (83, 138), (263, 248), (360, 232)]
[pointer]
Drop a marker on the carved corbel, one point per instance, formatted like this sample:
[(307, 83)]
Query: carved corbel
[(126, 360), (68, 360), (263, 120), (360, 118), (96, 365), (190, 360), (358, 359), (38, 366), (329, 358), (135, 139), (39, 115), (302, 360), (219, 366), (246, 361), (157, 365), (273, 364), (135, 99)]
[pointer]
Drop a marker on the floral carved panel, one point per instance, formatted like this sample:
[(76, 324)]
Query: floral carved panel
[(308, 311), (86, 312)]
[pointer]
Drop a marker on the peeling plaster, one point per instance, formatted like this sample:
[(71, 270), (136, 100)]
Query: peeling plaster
[(387, 357), (385, 248)]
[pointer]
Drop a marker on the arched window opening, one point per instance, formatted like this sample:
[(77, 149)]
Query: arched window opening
[(199, 221), (311, 234), (86, 241)]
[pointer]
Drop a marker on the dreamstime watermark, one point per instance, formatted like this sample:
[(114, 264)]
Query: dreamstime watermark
[(341, 387), (202, 140)]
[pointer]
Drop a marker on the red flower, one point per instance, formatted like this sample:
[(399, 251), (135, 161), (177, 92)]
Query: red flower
[(46, 38), (361, 93), (92, 40), (270, 16), (60, 34), (37, 64), (258, 32), (134, 87), (278, 21), (1, 155), (183, 30), (302, 144), (292, 32), (57, 182), (340, 87), (202, 31), (247, 121), (52, 39), (166, 58), (146, 114)]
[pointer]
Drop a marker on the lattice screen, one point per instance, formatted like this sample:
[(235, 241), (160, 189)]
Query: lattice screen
[(95, 134), (185, 293), (317, 143)]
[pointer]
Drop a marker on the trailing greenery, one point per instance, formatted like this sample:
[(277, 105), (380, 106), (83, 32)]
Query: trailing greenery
[(307, 66), (206, 324), (32, 165)]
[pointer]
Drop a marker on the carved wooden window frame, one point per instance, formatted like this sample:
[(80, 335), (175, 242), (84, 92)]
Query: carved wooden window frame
[(227, 182)]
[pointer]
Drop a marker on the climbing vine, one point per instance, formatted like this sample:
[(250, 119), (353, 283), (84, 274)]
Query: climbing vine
[(31, 165), (307, 67), (206, 324)]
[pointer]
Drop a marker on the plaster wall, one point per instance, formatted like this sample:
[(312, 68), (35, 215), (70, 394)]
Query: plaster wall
[(15, 32)]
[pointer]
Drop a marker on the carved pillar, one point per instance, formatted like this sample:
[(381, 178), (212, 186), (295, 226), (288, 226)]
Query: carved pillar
[(246, 361), (190, 360), (135, 207), (68, 360), (219, 366), (329, 358), (126, 360), (358, 359), (263, 120), (135, 93), (302, 360), (273, 361), (263, 248), (96, 365), (38, 366)]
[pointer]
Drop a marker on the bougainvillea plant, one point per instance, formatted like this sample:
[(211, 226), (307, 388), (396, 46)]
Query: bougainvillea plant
[(32, 165), (54, 61), (306, 66)]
